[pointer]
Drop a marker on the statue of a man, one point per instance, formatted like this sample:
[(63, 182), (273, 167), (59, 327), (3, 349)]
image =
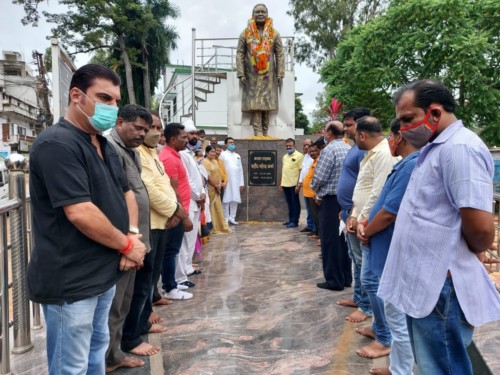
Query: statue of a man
[(261, 68)]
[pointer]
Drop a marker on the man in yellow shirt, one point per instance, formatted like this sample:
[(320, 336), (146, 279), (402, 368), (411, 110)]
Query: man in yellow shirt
[(292, 163)]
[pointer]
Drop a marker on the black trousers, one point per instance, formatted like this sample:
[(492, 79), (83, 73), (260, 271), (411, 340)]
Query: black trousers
[(336, 262), (141, 307), (293, 202)]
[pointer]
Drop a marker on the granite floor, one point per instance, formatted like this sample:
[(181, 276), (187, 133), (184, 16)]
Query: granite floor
[(256, 310)]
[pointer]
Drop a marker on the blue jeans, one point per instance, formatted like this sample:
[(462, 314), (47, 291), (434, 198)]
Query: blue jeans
[(293, 202), (440, 340), (309, 220), (78, 335), (173, 242), (360, 297), (401, 356), (370, 283)]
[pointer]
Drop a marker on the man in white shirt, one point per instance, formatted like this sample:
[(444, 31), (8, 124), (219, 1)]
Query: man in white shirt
[(235, 181), (306, 163), (198, 196)]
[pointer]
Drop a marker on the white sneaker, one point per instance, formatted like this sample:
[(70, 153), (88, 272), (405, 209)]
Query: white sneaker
[(182, 287), (232, 222), (177, 294)]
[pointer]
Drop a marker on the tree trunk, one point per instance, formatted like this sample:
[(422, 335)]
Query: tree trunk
[(145, 78), (128, 69)]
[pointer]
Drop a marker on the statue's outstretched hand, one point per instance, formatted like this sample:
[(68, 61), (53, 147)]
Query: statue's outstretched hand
[(243, 80)]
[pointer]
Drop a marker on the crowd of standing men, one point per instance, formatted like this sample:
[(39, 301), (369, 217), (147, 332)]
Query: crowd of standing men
[(407, 218), (116, 214)]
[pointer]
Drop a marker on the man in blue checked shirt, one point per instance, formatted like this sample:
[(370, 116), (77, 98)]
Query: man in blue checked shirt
[(336, 262), (444, 224)]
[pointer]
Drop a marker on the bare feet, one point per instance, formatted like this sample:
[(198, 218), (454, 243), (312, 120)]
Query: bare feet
[(357, 317), (157, 328), (145, 349), (129, 362), (373, 350), (380, 371), (348, 302), (154, 318), (162, 301), (366, 331)]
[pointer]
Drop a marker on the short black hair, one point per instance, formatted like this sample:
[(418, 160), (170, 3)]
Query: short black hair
[(200, 131), (320, 142), (130, 112), (395, 125), (208, 149), (217, 146), (84, 77), (290, 140), (227, 139), (357, 113), (428, 91), (369, 124), (172, 130)]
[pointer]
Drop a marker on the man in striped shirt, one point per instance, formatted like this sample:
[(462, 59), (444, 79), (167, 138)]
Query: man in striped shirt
[(336, 262), (432, 272)]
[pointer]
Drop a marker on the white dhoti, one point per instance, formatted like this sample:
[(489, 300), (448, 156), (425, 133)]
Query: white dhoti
[(230, 210), (185, 256)]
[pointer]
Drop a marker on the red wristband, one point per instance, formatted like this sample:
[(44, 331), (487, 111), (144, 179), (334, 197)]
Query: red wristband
[(364, 222), (128, 247)]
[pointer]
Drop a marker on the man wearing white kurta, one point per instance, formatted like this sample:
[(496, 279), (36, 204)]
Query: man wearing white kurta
[(198, 194), (235, 181)]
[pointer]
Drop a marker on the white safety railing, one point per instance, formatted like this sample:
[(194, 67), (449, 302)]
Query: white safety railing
[(212, 59)]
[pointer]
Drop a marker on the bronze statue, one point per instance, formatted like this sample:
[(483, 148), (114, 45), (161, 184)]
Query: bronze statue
[(261, 68)]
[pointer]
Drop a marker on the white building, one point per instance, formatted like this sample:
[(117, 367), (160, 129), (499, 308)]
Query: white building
[(217, 92), (18, 102)]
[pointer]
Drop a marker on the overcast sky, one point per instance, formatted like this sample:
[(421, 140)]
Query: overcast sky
[(211, 18)]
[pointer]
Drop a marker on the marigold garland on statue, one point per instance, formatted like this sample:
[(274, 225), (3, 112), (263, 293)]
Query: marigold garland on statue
[(260, 46)]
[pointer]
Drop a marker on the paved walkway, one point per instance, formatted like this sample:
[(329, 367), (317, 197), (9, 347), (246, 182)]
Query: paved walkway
[(256, 310)]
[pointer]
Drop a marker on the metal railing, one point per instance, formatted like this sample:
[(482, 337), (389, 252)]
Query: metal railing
[(495, 253), (14, 223), (210, 56)]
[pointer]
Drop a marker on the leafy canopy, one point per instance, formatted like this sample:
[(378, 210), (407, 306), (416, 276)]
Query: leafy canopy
[(456, 41)]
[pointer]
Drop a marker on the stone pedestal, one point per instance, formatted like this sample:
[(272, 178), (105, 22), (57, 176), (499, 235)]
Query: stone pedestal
[(262, 203)]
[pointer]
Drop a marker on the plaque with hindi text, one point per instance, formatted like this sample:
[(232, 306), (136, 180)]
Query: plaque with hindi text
[(262, 168)]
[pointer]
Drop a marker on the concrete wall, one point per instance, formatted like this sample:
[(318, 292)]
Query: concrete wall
[(262, 203)]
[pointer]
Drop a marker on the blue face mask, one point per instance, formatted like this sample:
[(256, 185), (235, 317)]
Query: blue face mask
[(290, 151), (104, 117), (231, 147)]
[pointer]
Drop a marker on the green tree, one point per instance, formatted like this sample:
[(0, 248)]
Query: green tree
[(301, 120), (154, 46), (127, 30), (321, 24), (456, 41)]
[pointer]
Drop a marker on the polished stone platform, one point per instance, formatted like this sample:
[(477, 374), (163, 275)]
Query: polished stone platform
[(257, 310)]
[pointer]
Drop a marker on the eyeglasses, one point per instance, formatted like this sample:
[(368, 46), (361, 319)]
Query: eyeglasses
[(160, 167)]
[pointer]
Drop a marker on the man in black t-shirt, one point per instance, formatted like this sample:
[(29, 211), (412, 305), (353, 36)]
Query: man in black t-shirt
[(82, 207)]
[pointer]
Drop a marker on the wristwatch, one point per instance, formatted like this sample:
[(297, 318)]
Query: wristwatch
[(133, 229)]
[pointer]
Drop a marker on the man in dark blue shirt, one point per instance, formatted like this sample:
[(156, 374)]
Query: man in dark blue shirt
[(377, 232), (347, 182), (81, 208)]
